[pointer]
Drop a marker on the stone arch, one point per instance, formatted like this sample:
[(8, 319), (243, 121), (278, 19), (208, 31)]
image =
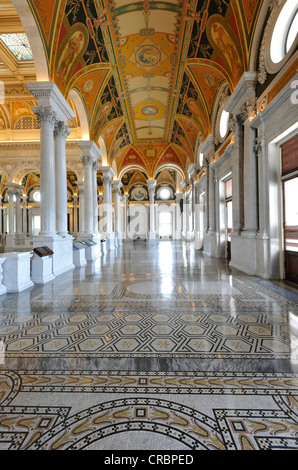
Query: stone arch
[(131, 168), (169, 166), (103, 150), (36, 44), (75, 97), (22, 171), (257, 37)]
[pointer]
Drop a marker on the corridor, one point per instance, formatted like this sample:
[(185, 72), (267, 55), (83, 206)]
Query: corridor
[(150, 347)]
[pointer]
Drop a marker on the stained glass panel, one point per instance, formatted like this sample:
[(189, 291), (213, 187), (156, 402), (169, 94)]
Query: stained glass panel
[(18, 44)]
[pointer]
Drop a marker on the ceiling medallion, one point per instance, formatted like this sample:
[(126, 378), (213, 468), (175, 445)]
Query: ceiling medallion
[(148, 55), (149, 110)]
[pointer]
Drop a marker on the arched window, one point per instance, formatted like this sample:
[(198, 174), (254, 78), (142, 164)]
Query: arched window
[(284, 32)]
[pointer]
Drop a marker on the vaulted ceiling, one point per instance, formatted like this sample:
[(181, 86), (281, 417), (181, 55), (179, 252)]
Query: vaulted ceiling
[(148, 72)]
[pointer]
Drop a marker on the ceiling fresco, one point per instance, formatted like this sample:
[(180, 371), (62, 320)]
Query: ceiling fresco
[(148, 72)]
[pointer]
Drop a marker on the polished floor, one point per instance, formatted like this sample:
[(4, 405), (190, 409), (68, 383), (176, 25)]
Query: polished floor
[(150, 347)]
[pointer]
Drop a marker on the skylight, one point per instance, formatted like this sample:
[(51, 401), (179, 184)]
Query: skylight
[(19, 45)]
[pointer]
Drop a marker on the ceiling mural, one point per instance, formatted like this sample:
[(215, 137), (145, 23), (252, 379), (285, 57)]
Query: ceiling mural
[(148, 72)]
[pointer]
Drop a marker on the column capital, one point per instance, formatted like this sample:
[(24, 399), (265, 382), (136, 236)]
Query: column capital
[(87, 160), (14, 189), (244, 90), (61, 130), (151, 185), (116, 185), (80, 185), (90, 148), (46, 116), (107, 173), (49, 95)]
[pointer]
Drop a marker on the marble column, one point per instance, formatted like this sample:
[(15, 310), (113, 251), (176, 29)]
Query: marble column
[(25, 225), (1, 215), (125, 216), (61, 132), (11, 211), (184, 205), (198, 242), (211, 236), (95, 167), (117, 209), (152, 233), (88, 161), (91, 154), (107, 174), (80, 185), (18, 213), (14, 192), (52, 108), (241, 106), (178, 221), (47, 119), (75, 213)]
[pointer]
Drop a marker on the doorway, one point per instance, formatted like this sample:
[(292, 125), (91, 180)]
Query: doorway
[(289, 157), (165, 225), (228, 216)]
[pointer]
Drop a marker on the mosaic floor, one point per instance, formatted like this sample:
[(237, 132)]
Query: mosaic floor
[(150, 348)]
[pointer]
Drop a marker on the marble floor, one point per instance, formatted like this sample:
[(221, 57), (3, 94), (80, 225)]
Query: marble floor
[(150, 347)]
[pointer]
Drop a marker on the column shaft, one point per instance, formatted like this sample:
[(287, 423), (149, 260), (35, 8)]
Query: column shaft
[(88, 194), (47, 121), (61, 133)]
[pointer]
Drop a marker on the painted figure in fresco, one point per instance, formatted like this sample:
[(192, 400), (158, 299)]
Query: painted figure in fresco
[(103, 114), (226, 46), (70, 52), (101, 20), (192, 15)]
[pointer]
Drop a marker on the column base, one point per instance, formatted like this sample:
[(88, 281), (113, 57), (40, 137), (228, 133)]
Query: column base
[(2, 287), (109, 241), (151, 239), (62, 249), (211, 244), (199, 239), (118, 240)]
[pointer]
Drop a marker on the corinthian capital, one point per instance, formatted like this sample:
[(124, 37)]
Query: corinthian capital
[(61, 130), (46, 116), (87, 160)]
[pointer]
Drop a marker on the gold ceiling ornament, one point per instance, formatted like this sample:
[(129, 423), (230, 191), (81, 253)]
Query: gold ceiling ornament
[(146, 12)]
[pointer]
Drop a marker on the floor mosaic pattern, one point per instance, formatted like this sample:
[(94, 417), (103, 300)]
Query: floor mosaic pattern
[(78, 410), (159, 346)]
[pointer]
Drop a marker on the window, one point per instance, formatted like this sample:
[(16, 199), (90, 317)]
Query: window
[(165, 224), (223, 123), (229, 208), (164, 193), (35, 224), (19, 45), (284, 32), (36, 196)]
